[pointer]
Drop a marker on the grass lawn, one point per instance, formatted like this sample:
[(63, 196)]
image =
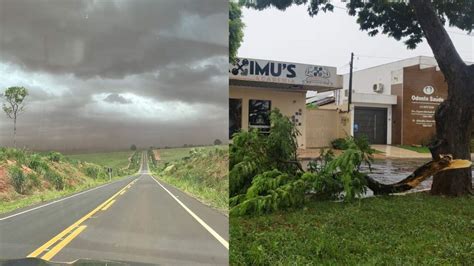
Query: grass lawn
[(109, 159), (393, 230), (413, 148)]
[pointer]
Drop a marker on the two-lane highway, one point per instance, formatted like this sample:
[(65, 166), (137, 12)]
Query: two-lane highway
[(137, 219)]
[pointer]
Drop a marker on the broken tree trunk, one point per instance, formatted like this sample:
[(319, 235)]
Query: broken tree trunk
[(419, 175)]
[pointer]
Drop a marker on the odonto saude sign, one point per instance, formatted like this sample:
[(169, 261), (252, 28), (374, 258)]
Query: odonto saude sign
[(283, 72)]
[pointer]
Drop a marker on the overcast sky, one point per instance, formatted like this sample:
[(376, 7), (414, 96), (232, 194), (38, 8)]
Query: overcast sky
[(328, 39), (108, 74)]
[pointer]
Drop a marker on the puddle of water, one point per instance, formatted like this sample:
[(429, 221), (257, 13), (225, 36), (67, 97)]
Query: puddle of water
[(393, 170)]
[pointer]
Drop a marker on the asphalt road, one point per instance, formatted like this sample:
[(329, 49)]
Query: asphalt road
[(137, 219)]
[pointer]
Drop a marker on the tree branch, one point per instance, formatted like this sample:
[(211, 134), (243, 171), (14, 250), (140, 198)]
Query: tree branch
[(443, 48)]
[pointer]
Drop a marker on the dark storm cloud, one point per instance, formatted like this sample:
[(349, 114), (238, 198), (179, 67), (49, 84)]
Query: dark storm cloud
[(103, 74), (108, 38), (116, 98)]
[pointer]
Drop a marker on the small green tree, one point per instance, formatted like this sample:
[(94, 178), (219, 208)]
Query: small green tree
[(14, 105), (217, 142), (133, 147)]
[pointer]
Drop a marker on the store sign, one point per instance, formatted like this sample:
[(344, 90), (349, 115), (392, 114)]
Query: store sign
[(282, 72), (424, 106)]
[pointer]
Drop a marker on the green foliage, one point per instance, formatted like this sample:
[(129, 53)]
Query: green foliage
[(151, 157), (33, 181), (217, 142), (133, 147), (135, 161), (17, 155), (14, 97), (55, 156), (235, 30), (37, 164), (193, 173), (17, 178), (95, 171), (339, 144), (391, 230), (396, 19), (252, 153), (265, 175)]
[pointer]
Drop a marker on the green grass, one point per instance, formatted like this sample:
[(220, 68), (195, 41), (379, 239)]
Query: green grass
[(416, 149), (174, 154), (48, 195), (394, 230), (203, 175), (109, 159)]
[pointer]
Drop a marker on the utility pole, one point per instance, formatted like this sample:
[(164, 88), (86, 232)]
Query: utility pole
[(350, 84)]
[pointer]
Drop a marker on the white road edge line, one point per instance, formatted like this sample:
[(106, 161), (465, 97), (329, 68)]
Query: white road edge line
[(56, 201), (207, 227)]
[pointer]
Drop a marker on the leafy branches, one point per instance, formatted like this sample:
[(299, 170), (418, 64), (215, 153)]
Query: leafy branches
[(265, 174)]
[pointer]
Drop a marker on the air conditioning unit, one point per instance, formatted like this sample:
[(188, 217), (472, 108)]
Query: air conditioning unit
[(378, 87)]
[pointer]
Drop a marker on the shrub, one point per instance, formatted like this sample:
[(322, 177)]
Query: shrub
[(32, 181), (339, 144), (37, 164), (14, 154), (55, 179), (55, 156), (265, 175), (17, 178)]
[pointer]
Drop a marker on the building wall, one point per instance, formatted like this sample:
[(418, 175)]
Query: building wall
[(323, 126), (289, 103), (397, 90), (418, 124)]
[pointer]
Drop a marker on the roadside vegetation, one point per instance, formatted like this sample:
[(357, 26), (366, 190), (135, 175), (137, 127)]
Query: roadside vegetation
[(415, 229), (201, 172), (283, 214), (27, 177)]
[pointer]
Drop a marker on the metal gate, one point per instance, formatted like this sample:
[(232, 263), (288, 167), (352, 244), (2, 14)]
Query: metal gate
[(372, 123)]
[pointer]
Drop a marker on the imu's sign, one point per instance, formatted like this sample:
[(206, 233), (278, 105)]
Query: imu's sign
[(283, 72)]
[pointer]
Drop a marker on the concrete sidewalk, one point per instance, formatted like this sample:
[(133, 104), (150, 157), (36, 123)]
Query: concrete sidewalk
[(397, 152)]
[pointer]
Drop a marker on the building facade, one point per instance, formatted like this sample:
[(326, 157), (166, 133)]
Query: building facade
[(395, 103), (258, 86)]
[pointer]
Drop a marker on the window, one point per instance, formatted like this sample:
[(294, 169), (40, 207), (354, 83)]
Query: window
[(259, 114), (235, 116)]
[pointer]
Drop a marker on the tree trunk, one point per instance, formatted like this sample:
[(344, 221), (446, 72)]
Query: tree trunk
[(419, 175), (454, 116), (453, 130), (14, 132)]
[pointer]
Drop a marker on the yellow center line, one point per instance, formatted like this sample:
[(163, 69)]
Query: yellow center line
[(108, 205), (63, 243), (121, 193), (55, 239)]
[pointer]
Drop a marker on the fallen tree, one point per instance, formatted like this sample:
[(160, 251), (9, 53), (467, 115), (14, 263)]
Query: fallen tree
[(442, 163)]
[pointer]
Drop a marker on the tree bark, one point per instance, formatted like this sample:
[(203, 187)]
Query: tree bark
[(14, 132), (454, 116), (419, 175)]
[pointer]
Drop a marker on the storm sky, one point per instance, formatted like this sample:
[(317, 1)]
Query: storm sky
[(103, 75), (328, 39)]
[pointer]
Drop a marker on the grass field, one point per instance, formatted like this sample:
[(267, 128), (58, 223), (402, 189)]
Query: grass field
[(109, 159), (417, 149), (416, 229), (174, 154), (203, 174), (47, 195)]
